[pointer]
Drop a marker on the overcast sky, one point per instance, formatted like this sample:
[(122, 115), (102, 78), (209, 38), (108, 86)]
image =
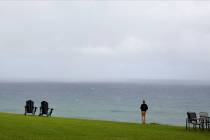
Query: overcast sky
[(82, 41)]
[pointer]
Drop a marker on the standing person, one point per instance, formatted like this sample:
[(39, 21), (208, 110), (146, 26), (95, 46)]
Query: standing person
[(143, 109)]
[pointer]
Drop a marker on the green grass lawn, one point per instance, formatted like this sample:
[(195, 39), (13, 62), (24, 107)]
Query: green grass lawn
[(20, 127)]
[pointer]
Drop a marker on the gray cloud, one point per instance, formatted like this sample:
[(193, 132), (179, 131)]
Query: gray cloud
[(104, 40)]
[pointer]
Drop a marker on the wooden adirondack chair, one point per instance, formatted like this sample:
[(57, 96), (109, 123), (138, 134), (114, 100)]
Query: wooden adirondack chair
[(45, 110), (30, 108)]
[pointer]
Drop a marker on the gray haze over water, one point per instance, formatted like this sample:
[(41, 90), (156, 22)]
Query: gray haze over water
[(120, 44), (168, 102), (115, 40)]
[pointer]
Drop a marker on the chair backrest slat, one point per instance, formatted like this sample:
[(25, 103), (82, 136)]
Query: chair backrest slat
[(44, 106), (29, 106), (191, 116)]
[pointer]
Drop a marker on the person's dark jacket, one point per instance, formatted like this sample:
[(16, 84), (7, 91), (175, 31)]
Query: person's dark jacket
[(144, 107)]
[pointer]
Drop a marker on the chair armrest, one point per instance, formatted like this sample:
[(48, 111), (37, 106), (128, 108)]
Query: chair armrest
[(196, 119), (201, 119), (50, 113), (207, 119), (50, 108)]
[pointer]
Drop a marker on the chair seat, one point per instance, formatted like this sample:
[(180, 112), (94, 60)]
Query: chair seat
[(196, 123)]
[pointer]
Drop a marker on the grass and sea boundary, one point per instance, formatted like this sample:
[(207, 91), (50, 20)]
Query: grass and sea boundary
[(20, 127)]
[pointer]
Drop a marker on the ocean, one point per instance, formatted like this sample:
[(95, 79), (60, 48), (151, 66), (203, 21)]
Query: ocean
[(117, 101)]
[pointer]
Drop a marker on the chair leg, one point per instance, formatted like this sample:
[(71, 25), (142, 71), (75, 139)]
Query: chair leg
[(50, 113), (40, 111), (25, 111), (34, 112), (186, 124), (51, 110)]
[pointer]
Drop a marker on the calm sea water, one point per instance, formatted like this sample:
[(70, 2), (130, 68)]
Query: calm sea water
[(168, 102)]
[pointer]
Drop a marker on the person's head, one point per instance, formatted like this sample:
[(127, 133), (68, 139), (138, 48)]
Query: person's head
[(143, 101)]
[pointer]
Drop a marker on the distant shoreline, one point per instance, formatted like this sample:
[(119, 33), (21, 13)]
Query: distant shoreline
[(139, 81)]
